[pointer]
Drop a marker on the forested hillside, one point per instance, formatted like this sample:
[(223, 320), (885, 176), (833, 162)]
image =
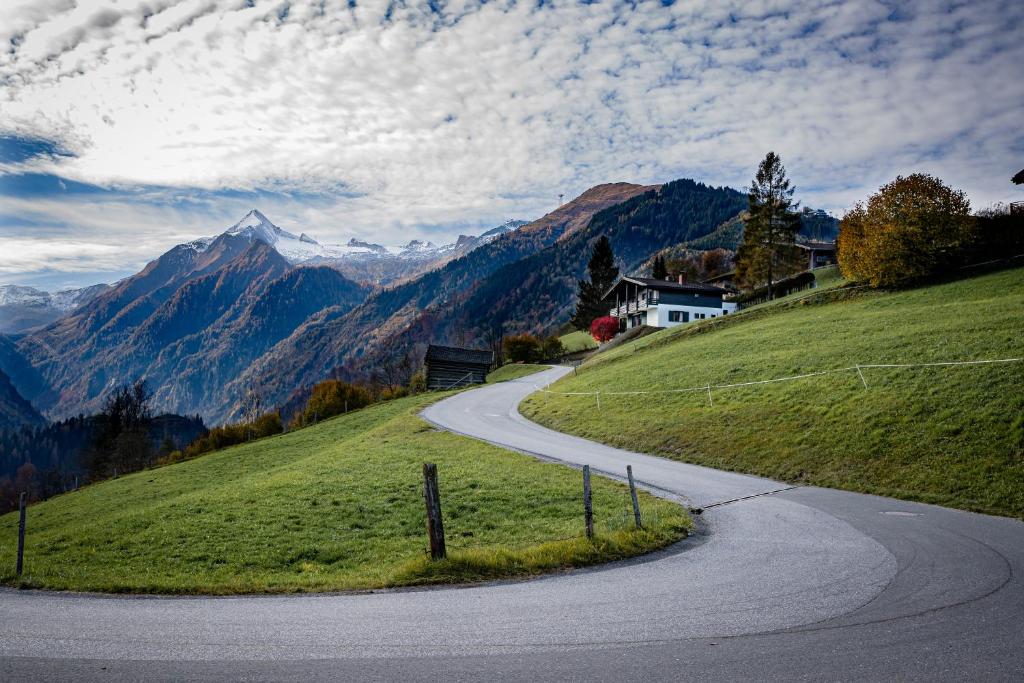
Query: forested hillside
[(539, 293), (15, 411), (45, 459)]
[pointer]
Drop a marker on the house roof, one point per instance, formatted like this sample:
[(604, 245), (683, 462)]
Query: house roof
[(1019, 178), (667, 286), (451, 354), (817, 246)]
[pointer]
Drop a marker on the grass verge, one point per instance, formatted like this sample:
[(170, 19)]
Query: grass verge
[(514, 371), (335, 506), (947, 435)]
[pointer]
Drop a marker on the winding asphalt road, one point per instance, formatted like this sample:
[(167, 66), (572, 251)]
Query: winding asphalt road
[(781, 583)]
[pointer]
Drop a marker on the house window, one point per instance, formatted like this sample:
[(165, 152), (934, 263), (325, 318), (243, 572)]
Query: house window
[(678, 317)]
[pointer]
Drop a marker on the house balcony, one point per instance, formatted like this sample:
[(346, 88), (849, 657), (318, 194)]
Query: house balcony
[(635, 306)]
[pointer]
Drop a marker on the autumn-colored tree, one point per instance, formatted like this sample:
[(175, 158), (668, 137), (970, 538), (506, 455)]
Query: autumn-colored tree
[(604, 329), (332, 397), (714, 262), (910, 228)]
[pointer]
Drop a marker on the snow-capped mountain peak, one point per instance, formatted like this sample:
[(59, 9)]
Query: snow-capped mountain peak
[(383, 264), (258, 226)]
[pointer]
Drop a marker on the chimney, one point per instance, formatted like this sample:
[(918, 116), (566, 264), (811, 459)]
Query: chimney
[(682, 278)]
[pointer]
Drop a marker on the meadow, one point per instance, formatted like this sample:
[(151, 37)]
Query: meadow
[(335, 506), (952, 435)]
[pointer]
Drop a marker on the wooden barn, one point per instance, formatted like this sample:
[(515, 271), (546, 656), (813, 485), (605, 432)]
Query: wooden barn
[(449, 367)]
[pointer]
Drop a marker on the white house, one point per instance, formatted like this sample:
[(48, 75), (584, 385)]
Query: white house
[(665, 303)]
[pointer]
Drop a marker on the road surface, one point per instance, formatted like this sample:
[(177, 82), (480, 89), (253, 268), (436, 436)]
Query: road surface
[(805, 583)]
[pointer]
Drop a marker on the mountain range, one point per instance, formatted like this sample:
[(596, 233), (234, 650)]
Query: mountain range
[(260, 309), (195, 318), (23, 309), (365, 262)]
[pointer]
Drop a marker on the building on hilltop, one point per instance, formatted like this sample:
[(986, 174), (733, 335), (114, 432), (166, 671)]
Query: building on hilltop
[(449, 367), (819, 254), (665, 303)]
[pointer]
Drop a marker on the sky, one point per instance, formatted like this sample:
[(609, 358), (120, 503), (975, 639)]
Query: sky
[(129, 126)]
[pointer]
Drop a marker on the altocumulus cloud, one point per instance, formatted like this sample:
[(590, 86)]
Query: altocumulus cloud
[(409, 119)]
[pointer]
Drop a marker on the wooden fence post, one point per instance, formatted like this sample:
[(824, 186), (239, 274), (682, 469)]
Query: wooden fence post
[(588, 507), (632, 494), (435, 528), (22, 502)]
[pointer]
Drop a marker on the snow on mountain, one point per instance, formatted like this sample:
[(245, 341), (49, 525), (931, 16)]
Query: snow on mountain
[(26, 308), (507, 226), (69, 299), (303, 248), (65, 300), (17, 295)]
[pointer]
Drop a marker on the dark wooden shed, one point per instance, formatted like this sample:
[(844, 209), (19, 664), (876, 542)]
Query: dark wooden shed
[(449, 367)]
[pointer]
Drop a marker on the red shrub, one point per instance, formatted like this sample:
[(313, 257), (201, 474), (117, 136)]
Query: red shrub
[(603, 329)]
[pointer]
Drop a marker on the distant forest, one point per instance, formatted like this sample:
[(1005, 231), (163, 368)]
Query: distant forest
[(45, 461)]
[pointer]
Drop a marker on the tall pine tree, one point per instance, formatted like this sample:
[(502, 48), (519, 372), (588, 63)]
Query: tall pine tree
[(603, 273), (769, 235)]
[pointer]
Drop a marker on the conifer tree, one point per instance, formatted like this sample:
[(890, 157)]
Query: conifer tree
[(769, 235), (603, 272), (659, 271)]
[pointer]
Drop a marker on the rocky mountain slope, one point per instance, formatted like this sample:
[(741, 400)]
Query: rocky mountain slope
[(187, 323)]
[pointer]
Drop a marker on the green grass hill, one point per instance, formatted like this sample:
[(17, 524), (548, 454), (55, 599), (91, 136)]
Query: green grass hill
[(331, 507), (952, 435)]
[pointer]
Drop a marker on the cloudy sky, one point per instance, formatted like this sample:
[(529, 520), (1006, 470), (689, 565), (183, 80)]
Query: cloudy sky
[(127, 126)]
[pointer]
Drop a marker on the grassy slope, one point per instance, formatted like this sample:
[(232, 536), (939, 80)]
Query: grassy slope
[(514, 371), (578, 341), (334, 506), (951, 435)]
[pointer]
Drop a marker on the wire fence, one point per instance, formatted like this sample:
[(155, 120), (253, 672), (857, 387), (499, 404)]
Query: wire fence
[(857, 368), (612, 512)]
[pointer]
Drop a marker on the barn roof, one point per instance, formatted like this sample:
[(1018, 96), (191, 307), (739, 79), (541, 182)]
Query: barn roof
[(451, 354)]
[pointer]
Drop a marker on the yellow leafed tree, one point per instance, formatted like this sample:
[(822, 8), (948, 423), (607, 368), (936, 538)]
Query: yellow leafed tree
[(909, 229)]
